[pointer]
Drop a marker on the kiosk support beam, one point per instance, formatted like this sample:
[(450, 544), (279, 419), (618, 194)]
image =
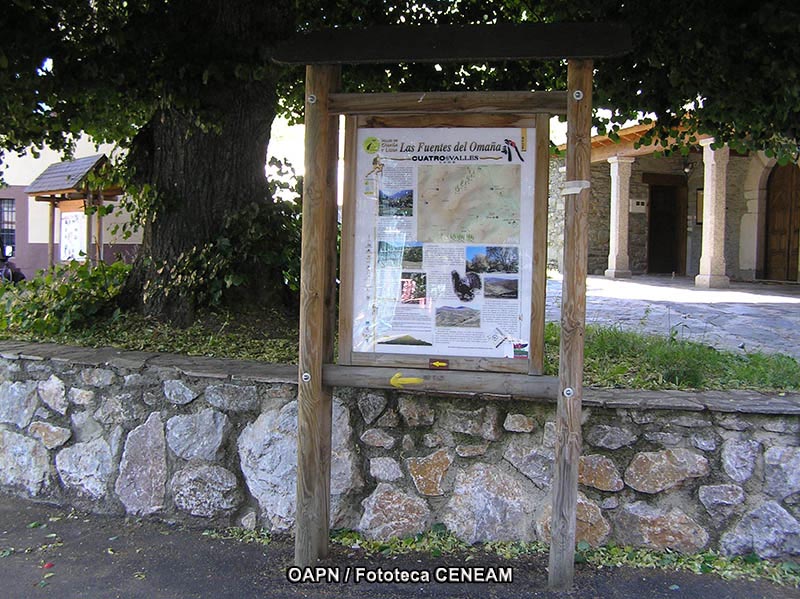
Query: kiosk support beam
[(51, 239), (317, 285), (573, 320)]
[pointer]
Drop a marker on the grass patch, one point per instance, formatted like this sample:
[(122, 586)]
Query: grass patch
[(625, 359)]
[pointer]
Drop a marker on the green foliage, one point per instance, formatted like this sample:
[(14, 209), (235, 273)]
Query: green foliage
[(515, 549), (235, 533), (750, 567), (732, 74), (107, 68), (199, 273), (437, 541), (65, 298)]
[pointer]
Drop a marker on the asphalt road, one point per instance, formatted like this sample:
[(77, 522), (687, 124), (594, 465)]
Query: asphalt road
[(49, 552)]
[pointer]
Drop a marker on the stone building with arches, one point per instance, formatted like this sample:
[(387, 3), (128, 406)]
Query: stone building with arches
[(714, 215)]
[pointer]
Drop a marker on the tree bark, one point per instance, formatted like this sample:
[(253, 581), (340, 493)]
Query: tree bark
[(205, 160)]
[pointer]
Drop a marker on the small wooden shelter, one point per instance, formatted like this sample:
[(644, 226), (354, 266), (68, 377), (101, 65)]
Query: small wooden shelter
[(66, 185), (323, 53)]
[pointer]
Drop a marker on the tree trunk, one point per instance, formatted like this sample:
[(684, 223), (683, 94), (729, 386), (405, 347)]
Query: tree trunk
[(205, 163)]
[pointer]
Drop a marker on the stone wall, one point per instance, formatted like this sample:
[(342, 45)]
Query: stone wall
[(215, 440)]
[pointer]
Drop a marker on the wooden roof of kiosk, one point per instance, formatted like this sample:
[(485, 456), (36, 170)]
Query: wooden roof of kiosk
[(322, 52), (68, 180), (66, 185)]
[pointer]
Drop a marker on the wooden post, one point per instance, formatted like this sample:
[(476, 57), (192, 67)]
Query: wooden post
[(98, 236), (87, 202), (51, 240), (316, 324), (539, 288), (573, 317)]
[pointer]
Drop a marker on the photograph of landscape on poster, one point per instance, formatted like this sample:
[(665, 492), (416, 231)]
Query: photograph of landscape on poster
[(443, 242)]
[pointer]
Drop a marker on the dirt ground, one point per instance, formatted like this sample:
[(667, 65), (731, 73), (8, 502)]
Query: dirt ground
[(47, 551)]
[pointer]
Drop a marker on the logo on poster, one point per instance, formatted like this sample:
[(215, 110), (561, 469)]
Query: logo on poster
[(372, 145)]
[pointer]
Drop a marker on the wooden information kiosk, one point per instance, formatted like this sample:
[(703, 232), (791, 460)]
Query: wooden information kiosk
[(444, 239)]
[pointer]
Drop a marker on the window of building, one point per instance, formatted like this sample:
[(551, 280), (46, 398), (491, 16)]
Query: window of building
[(8, 224)]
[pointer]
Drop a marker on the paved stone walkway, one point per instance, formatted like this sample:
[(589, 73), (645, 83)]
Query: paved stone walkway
[(748, 317)]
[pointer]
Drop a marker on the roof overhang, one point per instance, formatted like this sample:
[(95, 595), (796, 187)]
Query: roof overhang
[(624, 145)]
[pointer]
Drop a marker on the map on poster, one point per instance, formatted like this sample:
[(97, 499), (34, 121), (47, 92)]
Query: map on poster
[(466, 203), (444, 238)]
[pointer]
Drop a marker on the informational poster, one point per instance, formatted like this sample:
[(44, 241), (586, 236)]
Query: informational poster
[(443, 242), (73, 236)]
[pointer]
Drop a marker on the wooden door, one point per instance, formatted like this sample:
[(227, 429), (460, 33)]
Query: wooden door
[(666, 238), (783, 223)]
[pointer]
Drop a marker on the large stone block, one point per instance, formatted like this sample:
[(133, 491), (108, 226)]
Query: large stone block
[(484, 423), (205, 490), (534, 462), (18, 403), (51, 436), (86, 468), (24, 463), (85, 427), (599, 472), (416, 412), (119, 409), (590, 524), (519, 423), (80, 397), (390, 512), (642, 525), (198, 436), (489, 505), (143, 470), (781, 472), (98, 377), (721, 500), (178, 393), (739, 458), (428, 472), (233, 398), (54, 393), (769, 531), (371, 405), (385, 469), (268, 457), (375, 437), (653, 472), (610, 437)]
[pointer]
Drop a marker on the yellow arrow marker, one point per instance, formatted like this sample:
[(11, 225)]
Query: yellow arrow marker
[(439, 364), (398, 380)]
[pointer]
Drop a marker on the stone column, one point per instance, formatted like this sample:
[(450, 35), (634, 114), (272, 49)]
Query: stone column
[(712, 258), (618, 260)]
